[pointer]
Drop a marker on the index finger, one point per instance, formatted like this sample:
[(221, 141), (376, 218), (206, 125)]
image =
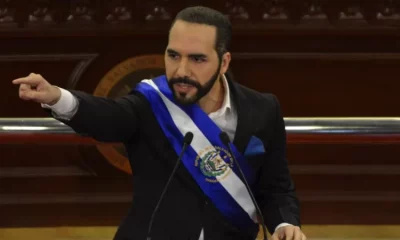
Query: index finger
[(30, 80)]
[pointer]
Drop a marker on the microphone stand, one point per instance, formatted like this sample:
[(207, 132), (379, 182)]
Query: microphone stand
[(186, 142), (225, 139)]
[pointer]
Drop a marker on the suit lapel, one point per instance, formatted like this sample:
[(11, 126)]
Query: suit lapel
[(164, 148), (245, 116)]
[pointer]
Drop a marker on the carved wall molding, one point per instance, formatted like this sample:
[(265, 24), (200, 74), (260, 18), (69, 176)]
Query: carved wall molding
[(345, 56), (25, 172), (84, 60), (349, 196), (112, 198), (341, 169), (50, 14), (21, 199)]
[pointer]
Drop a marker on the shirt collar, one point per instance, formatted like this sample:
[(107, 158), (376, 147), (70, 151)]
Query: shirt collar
[(226, 104)]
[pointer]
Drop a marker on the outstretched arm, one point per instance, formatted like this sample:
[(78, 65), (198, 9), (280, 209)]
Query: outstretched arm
[(101, 118)]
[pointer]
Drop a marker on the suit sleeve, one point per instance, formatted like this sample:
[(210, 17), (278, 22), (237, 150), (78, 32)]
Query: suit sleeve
[(104, 119), (276, 190)]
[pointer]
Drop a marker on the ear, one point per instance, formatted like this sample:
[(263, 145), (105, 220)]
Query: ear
[(226, 60)]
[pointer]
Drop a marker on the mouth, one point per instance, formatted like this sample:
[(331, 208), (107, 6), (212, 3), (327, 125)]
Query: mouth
[(183, 87)]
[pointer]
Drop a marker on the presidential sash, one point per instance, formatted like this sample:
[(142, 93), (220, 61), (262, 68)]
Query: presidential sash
[(206, 159)]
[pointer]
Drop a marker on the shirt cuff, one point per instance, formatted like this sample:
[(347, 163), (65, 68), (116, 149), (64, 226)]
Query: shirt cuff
[(65, 107), (282, 225)]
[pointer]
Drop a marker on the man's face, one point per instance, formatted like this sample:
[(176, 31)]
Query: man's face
[(191, 62)]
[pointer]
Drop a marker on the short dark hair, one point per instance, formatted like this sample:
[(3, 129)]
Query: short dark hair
[(208, 16)]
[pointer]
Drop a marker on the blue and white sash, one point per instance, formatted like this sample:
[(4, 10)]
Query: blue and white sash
[(206, 158)]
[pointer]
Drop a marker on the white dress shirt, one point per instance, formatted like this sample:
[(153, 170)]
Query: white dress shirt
[(225, 117)]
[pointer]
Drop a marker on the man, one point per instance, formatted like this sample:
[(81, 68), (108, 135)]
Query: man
[(207, 198)]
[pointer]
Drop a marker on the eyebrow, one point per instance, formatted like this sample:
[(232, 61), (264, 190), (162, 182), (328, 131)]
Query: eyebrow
[(192, 55)]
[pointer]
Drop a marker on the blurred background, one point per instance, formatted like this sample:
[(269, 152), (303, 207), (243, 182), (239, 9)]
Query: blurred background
[(334, 64)]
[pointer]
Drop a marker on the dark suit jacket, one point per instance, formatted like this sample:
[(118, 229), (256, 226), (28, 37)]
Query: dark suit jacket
[(185, 210)]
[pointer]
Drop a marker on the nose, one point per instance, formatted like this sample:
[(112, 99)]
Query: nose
[(183, 69)]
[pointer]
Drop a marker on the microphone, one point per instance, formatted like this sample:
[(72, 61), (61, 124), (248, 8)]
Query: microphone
[(225, 139), (186, 142)]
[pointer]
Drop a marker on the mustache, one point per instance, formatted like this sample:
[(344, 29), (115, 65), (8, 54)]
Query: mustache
[(184, 81)]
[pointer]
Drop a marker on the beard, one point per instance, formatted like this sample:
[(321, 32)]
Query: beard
[(202, 90)]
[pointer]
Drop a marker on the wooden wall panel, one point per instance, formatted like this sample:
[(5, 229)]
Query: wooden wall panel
[(324, 84)]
